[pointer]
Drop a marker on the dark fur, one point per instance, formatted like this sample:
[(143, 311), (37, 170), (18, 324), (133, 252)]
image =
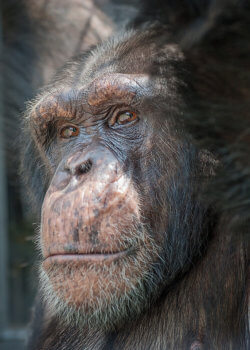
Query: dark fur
[(205, 307)]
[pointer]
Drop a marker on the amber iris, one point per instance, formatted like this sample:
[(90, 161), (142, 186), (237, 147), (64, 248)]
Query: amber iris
[(126, 117), (69, 131)]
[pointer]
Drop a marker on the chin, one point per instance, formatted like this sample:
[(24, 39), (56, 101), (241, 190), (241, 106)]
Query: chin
[(101, 290)]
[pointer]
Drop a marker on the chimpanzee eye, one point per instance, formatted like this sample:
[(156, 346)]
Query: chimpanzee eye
[(69, 131), (122, 118), (126, 117)]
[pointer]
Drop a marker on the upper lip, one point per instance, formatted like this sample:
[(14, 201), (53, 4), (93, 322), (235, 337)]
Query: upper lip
[(89, 253)]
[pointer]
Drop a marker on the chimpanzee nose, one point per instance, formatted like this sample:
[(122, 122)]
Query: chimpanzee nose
[(92, 166), (82, 168), (79, 166)]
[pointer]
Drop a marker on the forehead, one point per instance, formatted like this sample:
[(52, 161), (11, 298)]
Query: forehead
[(117, 72)]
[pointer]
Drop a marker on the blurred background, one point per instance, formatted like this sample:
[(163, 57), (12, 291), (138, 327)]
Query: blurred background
[(17, 277)]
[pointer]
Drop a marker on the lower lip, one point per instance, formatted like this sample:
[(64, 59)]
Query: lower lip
[(94, 258)]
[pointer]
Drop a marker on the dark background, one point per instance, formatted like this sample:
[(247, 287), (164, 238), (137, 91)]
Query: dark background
[(17, 287)]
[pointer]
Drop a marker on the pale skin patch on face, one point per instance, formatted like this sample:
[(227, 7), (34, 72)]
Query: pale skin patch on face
[(97, 210), (104, 207), (94, 205)]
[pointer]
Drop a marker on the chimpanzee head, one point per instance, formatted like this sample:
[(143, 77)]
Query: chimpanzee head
[(122, 217)]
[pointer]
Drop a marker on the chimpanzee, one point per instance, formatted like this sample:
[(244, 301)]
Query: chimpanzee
[(136, 158)]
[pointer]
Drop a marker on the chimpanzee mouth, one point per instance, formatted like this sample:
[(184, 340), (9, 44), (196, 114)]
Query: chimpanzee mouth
[(88, 257)]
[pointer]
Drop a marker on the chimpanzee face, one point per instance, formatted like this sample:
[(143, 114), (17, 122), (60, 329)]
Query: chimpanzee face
[(119, 211)]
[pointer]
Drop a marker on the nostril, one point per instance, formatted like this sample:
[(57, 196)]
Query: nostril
[(83, 168)]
